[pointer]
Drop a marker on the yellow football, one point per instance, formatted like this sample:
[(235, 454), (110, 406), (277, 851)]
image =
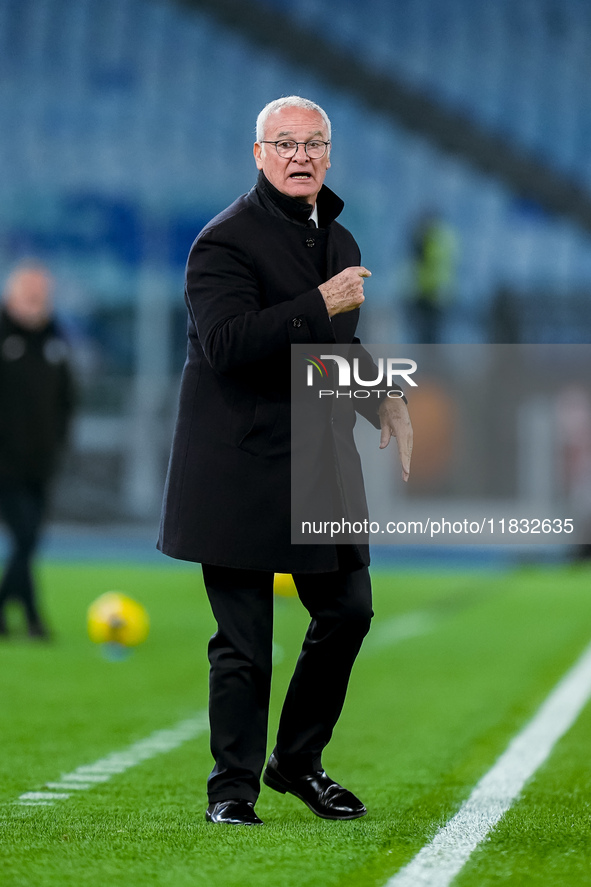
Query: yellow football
[(115, 618), (284, 585)]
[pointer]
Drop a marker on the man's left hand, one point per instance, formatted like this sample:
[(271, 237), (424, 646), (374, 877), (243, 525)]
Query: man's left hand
[(395, 422)]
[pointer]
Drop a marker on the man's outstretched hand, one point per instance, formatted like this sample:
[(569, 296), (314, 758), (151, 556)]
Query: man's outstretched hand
[(395, 422)]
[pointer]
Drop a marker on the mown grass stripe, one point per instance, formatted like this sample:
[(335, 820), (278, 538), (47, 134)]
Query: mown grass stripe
[(87, 776), (389, 632), (438, 862)]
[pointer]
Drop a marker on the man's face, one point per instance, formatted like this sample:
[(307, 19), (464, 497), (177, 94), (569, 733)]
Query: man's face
[(298, 176), (28, 298)]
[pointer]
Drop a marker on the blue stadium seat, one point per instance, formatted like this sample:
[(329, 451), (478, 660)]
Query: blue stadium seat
[(147, 108)]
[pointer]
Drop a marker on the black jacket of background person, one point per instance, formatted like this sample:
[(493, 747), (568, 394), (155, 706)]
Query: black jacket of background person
[(36, 400), (251, 290)]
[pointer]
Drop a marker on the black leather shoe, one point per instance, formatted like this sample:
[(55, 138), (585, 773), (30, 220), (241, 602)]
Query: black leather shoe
[(39, 631), (323, 796), (237, 812)]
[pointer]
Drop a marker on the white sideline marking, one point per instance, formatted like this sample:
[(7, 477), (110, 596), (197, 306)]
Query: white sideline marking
[(43, 796), (87, 776), (36, 803), (437, 864), (69, 786)]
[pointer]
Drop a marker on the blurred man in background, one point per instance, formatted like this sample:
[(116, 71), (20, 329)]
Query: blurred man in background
[(36, 400), (434, 250)]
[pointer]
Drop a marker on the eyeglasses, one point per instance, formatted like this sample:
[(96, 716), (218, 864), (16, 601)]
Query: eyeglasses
[(288, 148)]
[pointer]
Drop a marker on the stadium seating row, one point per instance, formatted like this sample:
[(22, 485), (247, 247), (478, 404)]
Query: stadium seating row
[(133, 116)]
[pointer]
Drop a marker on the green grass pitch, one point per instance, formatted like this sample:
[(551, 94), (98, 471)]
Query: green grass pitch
[(429, 711)]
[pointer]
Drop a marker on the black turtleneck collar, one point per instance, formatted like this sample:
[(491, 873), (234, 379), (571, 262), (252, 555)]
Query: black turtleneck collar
[(270, 198)]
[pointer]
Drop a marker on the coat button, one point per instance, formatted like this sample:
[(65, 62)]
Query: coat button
[(297, 322), (310, 242)]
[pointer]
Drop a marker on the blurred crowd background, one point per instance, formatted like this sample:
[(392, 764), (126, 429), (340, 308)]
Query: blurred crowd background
[(461, 146)]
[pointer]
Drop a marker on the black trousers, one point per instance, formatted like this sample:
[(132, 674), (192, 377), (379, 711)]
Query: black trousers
[(22, 508), (240, 656)]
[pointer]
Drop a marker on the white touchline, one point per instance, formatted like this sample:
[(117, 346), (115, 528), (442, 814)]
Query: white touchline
[(88, 776), (437, 864)]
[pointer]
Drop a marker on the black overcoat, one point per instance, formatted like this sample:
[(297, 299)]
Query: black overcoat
[(36, 400), (251, 290)]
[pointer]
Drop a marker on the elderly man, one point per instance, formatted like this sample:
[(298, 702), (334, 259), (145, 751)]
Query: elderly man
[(274, 268), (36, 401)]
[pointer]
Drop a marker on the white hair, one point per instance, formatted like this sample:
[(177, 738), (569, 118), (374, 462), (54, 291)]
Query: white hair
[(290, 101)]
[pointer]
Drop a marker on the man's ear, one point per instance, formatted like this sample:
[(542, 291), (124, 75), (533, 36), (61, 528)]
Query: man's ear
[(257, 150)]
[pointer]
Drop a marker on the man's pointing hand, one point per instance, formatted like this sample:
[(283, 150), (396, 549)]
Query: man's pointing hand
[(344, 291)]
